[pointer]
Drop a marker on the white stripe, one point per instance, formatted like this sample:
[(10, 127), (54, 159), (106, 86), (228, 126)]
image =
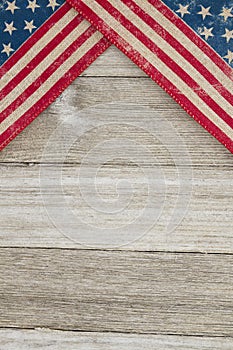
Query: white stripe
[(176, 57), (49, 83), (226, 81), (44, 64), (38, 46), (153, 59)]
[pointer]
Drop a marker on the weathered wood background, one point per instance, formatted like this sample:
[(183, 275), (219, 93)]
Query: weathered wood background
[(158, 291)]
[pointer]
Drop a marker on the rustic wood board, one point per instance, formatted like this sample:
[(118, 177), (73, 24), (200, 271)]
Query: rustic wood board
[(113, 63), (206, 225), (158, 293), (57, 340)]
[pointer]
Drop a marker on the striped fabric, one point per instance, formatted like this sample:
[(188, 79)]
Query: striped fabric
[(172, 54), (43, 67)]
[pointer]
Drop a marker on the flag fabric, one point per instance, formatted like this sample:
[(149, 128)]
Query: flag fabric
[(186, 46), (44, 46)]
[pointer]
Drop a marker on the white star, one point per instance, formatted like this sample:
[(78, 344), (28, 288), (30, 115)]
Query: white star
[(207, 32), (226, 13), (183, 10), (11, 6), (9, 27), (53, 4), (228, 35), (229, 56), (205, 11), (32, 5), (29, 26), (7, 49)]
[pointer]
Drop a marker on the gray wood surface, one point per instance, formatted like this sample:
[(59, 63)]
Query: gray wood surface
[(56, 340), (158, 293), (207, 224), (113, 63), (179, 292)]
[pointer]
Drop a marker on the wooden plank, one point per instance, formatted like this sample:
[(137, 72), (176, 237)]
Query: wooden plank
[(98, 93), (57, 340), (157, 293), (206, 225), (113, 63)]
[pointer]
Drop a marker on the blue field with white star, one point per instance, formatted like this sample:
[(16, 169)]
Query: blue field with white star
[(212, 20), (19, 19)]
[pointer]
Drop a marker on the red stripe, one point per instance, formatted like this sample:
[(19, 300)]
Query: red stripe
[(166, 59), (191, 109), (53, 93), (178, 22), (181, 49), (40, 56), (34, 38), (47, 73)]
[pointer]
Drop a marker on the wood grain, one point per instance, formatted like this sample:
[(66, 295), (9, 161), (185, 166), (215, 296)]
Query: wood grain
[(113, 63), (206, 224), (185, 294), (56, 340)]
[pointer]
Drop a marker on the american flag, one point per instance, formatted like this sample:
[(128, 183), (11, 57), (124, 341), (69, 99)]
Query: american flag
[(44, 46), (186, 46)]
